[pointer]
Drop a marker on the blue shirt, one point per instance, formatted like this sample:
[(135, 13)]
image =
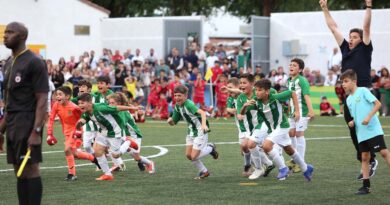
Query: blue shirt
[(360, 105)]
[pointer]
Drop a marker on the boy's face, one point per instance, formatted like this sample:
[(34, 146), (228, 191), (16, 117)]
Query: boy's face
[(354, 40), (84, 89), (348, 84), (61, 97), (102, 87), (294, 69), (180, 98), (262, 93), (245, 85), (112, 102), (232, 86), (222, 79), (85, 106)]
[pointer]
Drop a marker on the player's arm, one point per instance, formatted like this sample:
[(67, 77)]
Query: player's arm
[(377, 106), (245, 106), (203, 116), (367, 23), (52, 116), (331, 23), (84, 119), (40, 116), (124, 108), (306, 95), (174, 119)]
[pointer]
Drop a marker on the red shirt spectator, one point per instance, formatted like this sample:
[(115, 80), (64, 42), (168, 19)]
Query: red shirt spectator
[(199, 85), (216, 72), (117, 56)]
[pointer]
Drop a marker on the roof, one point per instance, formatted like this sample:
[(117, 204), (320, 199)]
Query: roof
[(93, 5)]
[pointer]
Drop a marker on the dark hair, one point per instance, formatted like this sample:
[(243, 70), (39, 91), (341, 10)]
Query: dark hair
[(84, 82), (104, 79), (263, 83), (234, 81), (357, 30), (248, 76), (85, 97), (180, 89), (348, 74), (300, 62), (65, 89)]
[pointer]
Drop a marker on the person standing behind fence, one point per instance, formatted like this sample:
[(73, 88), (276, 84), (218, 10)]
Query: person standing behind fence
[(26, 88), (357, 55)]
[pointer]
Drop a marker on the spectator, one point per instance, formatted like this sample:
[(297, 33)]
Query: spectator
[(66, 73), (161, 110), (199, 86), (139, 94), (340, 95), (319, 79), (74, 80), (71, 64), (131, 83), (210, 60), (272, 76), (57, 77), (192, 59), (259, 73), (160, 67), (138, 57), (220, 53), (153, 97), (307, 74), (281, 77), (61, 63), (221, 97), (120, 75), (117, 57), (234, 69), (384, 89), (326, 109), (226, 69), (152, 58), (375, 84), (217, 70), (93, 61), (171, 87), (335, 58), (330, 79)]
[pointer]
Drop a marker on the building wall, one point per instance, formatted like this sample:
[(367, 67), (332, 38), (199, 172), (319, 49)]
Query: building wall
[(51, 23), (318, 42)]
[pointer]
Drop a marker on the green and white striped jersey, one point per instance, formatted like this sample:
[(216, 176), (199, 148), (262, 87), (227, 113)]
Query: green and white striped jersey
[(250, 120), (301, 87), (272, 113), (131, 128), (98, 97), (90, 126), (108, 120), (189, 112), (232, 103)]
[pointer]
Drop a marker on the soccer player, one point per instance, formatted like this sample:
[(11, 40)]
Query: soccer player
[(131, 130), (363, 107), (301, 87), (197, 137), (111, 131), (270, 108), (69, 114), (221, 96)]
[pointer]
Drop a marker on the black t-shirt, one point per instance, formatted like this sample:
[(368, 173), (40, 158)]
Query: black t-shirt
[(27, 76), (122, 77), (359, 60)]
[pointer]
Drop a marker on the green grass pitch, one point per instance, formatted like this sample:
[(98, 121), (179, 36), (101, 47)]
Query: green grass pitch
[(329, 149)]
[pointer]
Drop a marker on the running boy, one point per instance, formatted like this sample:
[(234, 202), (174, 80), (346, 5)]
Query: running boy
[(197, 136), (69, 114), (301, 87), (363, 106)]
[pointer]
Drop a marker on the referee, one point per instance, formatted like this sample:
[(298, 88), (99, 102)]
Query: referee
[(26, 88)]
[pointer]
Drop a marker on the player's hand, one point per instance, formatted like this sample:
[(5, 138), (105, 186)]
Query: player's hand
[(205, 128), (366, 121), (297, 115), (80, 124), (323, 4), (51, 140), (351, 123), (34, 139), (240, 117), (170, 121), (77, 134), (310, 115)]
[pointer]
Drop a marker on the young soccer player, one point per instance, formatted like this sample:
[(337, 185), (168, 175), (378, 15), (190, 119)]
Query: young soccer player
[(161, 110), (270, 108), (199, 86), (111, 132), (221, 96), (363, 106), (69, 114), (197, 137), (301, 87), (133, 132)]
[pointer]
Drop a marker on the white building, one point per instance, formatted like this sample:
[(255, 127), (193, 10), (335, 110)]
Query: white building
[(56, 27)]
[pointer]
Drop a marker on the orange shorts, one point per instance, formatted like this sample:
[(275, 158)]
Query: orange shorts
[(74, 143)]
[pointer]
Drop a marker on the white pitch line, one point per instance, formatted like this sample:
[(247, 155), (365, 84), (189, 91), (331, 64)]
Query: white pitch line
[(163, 151)]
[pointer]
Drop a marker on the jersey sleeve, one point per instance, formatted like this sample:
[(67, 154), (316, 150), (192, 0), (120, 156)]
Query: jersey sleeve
[(106, 109), (368, 96), (240, 103), (305, 86), (191, 106), (283, 96), (52, 116), (126, 116), (85, 117), (176, 115), (230, 103), (75, 100)]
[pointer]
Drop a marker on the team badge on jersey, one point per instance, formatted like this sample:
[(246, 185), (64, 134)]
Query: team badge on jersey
[(18, 78)]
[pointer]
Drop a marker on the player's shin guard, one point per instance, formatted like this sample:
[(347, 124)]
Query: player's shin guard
[(71, 164), (294, 141), (255, 154), (204, 152), (277, 158), (104, 164), (299, 160), (301, 146), (264, 158), (199, 165), (117, 161), (247, 158), (124, 147)]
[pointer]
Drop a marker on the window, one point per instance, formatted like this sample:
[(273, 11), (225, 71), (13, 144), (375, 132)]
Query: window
[(81, 30)]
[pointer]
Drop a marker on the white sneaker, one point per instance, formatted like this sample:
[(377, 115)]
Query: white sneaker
[(256, 174)]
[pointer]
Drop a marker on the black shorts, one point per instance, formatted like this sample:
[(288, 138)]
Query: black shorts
[(19, 127), (374, 144)]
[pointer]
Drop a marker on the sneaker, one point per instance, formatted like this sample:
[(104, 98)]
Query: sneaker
[(105, 177), (283, 173), (309, 172), (268, 170), (296, 168), (290, 164), (203, 175), (141, 166), (256, 174), (96, 162), (214, 152), (117, 168), (363, 190), (150, 167), (373, 167), (70, 177), (247, 171)]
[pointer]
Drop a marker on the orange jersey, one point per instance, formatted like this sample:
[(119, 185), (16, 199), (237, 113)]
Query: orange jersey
[(69, 114)]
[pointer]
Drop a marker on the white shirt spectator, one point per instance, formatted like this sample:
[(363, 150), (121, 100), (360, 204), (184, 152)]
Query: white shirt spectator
[(335, 58), (210, 61), (330, 79)]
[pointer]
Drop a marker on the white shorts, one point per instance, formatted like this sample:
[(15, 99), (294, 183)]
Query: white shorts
[(280, 136), (197, 143), (299, 126), (113, 143), (258, 135), (242, 136), (89, 138), (139, 141)]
